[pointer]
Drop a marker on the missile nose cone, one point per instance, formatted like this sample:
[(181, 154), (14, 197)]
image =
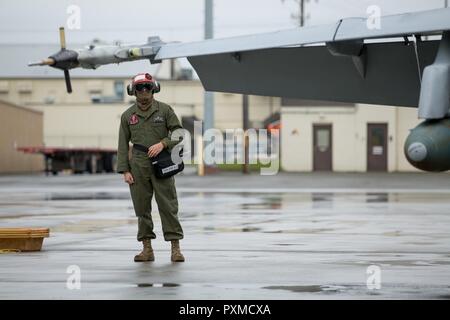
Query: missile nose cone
[(417, 151), (45, 62)]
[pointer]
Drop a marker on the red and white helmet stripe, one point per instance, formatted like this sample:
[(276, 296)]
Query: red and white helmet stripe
[(142, 78)]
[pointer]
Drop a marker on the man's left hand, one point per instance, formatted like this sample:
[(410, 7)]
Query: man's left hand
[(155, 149)]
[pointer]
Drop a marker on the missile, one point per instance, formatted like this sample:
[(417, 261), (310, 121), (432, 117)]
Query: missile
[(95, 56), (428, 145)]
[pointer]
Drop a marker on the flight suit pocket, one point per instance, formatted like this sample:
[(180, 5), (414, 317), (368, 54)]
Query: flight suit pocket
[(135, 130), (159, 129)]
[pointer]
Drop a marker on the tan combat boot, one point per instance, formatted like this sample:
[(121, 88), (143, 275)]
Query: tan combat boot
[(177, 256), (146, 253)]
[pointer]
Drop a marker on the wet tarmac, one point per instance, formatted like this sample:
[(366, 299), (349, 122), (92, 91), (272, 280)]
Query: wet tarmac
[(244, 239)]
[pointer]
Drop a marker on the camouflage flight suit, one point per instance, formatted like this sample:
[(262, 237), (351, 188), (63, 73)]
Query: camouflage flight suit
[(148, 128)]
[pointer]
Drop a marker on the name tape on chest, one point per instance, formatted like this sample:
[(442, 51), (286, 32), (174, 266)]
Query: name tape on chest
[(158, 119)]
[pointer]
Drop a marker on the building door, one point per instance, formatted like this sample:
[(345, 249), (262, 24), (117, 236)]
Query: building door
[(377, 146), (322, 145)]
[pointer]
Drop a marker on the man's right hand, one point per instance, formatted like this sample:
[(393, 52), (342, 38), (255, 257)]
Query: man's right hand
[(128, 177)]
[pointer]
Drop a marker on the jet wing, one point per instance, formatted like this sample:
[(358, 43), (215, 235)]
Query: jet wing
[(336, 62)]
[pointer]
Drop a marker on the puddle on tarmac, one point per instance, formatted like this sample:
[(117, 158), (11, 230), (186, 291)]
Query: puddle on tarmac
[(302, 231), (158, 285), (395, 263), (322, 197), (86, 196), (421, 243), (404, 263), (269, 202), (231, 229), (377, 197), (308, 289)]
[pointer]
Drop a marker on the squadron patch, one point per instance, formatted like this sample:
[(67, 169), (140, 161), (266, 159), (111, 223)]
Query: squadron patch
[(134, 119)]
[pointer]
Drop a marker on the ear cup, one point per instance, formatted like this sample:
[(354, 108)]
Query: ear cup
[(130, 90), (157, 87)]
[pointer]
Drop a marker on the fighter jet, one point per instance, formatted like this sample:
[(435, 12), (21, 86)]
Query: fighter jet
[(405, 62)]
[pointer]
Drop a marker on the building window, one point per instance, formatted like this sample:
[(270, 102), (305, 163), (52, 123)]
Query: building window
[(119, 89)]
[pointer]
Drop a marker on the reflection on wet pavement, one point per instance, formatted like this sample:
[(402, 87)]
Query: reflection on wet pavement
[(239, 245), (157, 285), (85, 196), (307, 289)]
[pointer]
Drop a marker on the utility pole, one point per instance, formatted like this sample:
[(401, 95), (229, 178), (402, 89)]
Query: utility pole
[(208, 110), (172, 69), (208, 97), (300, 16), (301, 13)]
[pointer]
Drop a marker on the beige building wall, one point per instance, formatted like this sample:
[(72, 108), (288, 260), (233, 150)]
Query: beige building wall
[(19, 127), (349, 135)]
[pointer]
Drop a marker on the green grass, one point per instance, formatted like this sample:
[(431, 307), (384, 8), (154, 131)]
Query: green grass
[(239, 167)]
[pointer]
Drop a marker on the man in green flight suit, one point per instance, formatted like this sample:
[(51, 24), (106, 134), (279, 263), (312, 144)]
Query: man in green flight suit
[(148, 123)]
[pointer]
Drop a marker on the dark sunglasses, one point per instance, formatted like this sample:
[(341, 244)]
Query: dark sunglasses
[(142, 86)]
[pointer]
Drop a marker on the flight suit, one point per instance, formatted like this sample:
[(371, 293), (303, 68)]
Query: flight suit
[(148, 128)]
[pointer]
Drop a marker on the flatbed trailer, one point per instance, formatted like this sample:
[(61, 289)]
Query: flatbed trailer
[(78, 160)]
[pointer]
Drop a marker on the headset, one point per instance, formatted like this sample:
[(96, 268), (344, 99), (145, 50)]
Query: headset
[(143, 77)]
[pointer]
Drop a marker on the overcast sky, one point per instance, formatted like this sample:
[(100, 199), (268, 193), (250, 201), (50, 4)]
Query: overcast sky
[(132, 21)]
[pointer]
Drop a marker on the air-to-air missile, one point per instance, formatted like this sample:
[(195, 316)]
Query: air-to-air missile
[(93, 57)]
